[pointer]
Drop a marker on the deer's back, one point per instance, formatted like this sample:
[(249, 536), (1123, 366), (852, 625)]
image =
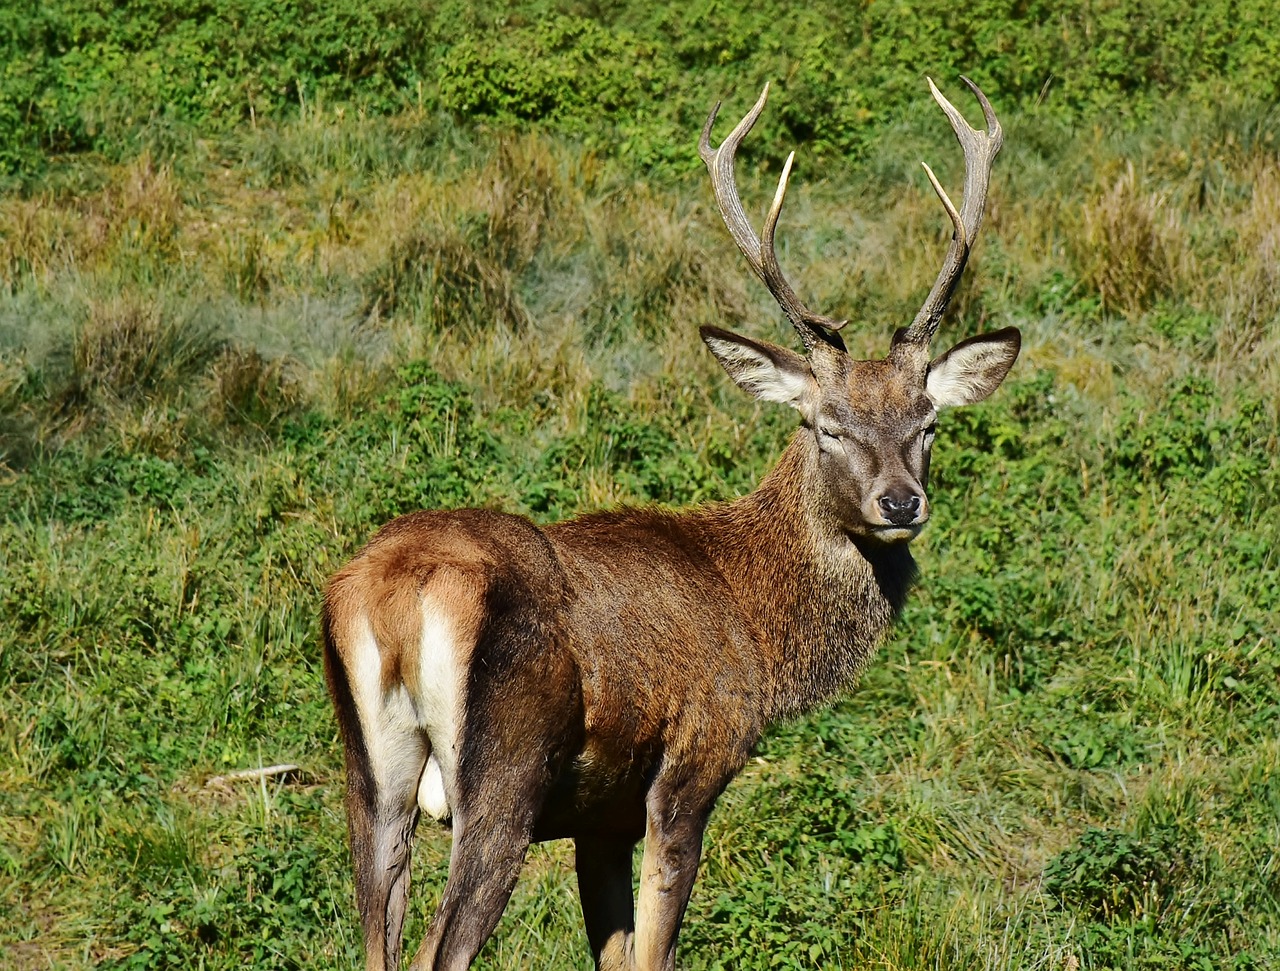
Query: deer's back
[(617, 625)]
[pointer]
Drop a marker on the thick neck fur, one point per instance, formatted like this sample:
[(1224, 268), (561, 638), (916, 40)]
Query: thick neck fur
[(822, 599)]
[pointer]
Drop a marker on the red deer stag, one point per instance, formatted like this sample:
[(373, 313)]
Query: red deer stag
[(604, 679)]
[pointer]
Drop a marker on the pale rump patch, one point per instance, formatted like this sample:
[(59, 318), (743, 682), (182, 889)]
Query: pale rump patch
[(439, 697), (439, 689), (392, 736), (401, 729)]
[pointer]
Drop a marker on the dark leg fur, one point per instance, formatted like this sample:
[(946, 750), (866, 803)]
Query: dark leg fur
[(486, 860), (382, 846), (608, 904), (520, 728)]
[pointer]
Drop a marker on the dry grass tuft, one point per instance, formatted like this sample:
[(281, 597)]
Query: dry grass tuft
[(655, 274), (134, 221), (246, 265), (452, 280), (36, 240), (520, 190), (140, 214), (16, 420), (1253, 298), (120, 348), (130, 348), (456, 257), (249, 390), (1132, 245)]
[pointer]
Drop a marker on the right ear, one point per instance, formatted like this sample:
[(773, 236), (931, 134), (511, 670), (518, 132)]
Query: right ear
[(764, 370)]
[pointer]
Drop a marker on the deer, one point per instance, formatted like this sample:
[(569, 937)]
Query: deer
[(604, 678)]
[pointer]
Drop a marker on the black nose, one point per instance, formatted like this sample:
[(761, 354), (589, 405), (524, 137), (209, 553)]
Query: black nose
[(900, 510)]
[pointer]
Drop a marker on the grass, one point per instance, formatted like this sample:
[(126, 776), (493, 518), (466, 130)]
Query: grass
[(221, 369)]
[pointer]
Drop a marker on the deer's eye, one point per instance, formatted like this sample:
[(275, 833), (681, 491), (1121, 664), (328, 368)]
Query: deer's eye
[(922, 438), (828, 434)]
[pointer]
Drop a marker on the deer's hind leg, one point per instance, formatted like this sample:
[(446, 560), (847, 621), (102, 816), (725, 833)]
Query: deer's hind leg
[(385, 754), (382, 830), (396, 651), (523, 721)]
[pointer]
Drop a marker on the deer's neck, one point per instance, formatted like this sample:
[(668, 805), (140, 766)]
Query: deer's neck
[(821, 599)]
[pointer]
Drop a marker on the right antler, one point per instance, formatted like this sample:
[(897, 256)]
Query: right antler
[(980, 150), (812, 326)]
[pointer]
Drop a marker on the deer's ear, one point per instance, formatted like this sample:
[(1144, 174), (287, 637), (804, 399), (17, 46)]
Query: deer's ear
[(973, 368), (767, 371)]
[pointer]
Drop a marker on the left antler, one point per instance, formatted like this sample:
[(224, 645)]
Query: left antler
[(759, 252)]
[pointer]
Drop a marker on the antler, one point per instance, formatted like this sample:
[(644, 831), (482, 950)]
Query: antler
[(759, 252), (980, 150)]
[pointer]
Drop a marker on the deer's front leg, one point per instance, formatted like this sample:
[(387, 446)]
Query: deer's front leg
[(672, 848), (608, 907)]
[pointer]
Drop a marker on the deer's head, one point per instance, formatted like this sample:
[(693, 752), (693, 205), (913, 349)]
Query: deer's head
[(871, 422)]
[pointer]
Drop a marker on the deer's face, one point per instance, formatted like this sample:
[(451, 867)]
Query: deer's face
[(873, 430), (871, 422)]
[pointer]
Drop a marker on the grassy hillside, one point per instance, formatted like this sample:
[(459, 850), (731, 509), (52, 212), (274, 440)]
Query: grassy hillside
[(232, 346), (90, 75)]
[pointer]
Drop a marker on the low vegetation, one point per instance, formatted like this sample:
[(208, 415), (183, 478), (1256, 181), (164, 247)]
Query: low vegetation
[(84, 75), (226, 359)]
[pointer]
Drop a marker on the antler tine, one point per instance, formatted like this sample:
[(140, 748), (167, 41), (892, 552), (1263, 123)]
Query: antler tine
[(761, 257), (980, 149)]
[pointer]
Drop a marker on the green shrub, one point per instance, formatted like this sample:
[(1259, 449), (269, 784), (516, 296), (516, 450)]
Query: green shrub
[(82, 75)]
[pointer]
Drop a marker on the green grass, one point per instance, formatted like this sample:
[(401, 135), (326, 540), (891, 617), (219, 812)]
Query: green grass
[(222, 369)]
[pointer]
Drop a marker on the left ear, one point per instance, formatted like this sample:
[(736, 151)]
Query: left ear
[(762, 369), (973, 368)]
